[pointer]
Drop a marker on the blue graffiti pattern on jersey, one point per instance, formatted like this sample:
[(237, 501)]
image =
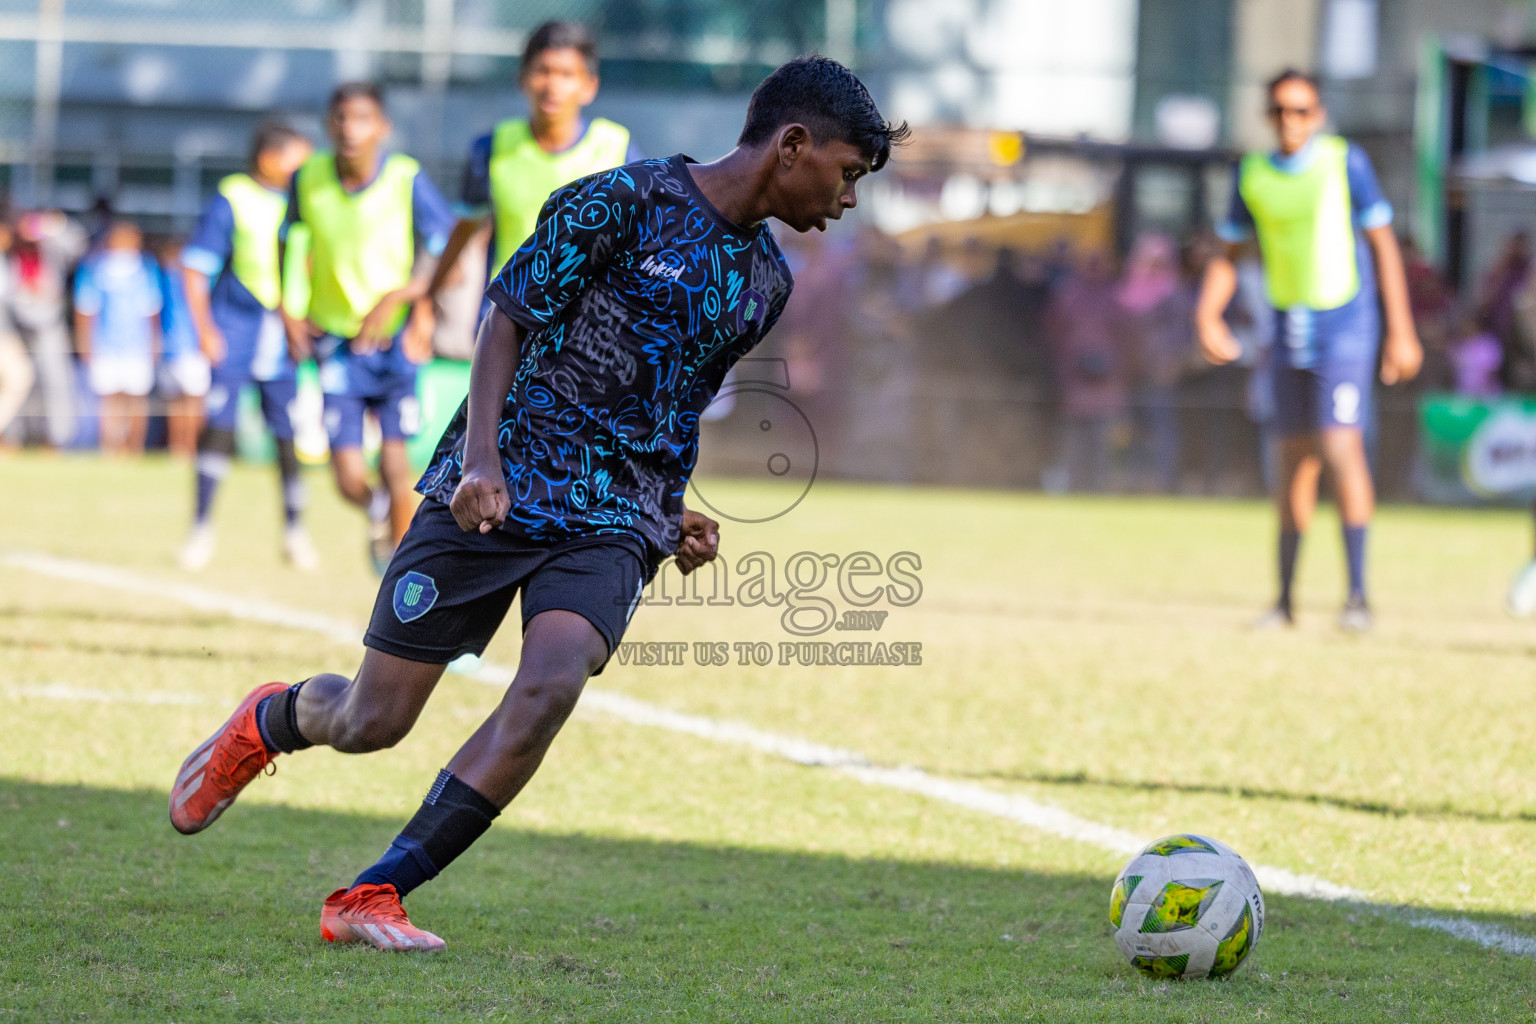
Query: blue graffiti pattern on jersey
[(638, 296)]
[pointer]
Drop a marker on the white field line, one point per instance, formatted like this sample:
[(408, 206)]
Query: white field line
[(81, 694), (1007, 806)]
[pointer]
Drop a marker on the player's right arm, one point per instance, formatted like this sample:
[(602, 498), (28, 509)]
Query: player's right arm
[(481, 502), (206, 254), (448, 262), (474, 212), (199, 300), (1217, 343)]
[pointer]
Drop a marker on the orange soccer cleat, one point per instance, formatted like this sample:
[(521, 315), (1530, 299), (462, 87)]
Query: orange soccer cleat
[(215, 773), (373, 914)]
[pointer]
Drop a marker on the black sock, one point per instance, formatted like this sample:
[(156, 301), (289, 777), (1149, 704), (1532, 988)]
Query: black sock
[(450, 819), (1290, 544), (277, 719), (294, 497), (215, 450)]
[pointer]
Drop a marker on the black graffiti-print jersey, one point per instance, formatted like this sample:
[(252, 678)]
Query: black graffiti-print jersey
[(637, 296)]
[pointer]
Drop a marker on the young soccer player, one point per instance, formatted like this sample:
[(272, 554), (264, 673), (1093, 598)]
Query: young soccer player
[(1320, 218), (233, 290), (117, 330), (562, 476), (185, 375), (372, 219), (514, 169)]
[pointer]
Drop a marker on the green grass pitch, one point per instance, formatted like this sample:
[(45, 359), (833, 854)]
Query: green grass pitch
[(1086, 654)]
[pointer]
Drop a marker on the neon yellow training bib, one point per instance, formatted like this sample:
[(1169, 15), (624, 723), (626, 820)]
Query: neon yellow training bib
[(1306, 227), (523, 174), (362, 244)]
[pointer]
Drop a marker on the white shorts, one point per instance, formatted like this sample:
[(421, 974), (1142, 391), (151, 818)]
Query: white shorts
[(186, 376), (122, 375)]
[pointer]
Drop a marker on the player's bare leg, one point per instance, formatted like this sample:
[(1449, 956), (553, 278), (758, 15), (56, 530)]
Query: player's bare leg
[(138, 424), (561, 649), (351, 475), (373, 710), (399, 481)]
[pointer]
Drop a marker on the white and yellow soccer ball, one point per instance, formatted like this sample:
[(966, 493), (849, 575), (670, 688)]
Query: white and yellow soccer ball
[(1186, 907)]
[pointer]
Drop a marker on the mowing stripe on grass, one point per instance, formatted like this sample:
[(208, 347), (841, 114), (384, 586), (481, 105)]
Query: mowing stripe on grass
[(1009, 807)]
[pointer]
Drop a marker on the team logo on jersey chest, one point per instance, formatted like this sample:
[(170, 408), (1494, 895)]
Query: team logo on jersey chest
[(750, 310), (415, 595)]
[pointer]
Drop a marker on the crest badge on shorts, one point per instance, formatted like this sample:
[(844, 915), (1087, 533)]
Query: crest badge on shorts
[(415, 595)]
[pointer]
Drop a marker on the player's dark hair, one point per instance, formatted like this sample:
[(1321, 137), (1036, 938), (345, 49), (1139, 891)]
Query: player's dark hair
[(1293, 75), (830, 101), (353, 90), (561, 35), (272, 135)]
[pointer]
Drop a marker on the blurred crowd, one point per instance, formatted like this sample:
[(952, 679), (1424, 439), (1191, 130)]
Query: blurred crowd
[(1061, 369), (95, 334), (935, 361)]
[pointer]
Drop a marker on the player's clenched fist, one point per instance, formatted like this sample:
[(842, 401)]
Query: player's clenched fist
[(480, 501), (700, 541)]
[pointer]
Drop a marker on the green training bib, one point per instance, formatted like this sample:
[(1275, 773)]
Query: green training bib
[(523, 174), (1305, 226)]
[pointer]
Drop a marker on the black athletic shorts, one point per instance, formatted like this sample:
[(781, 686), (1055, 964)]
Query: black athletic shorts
[(446, 591)]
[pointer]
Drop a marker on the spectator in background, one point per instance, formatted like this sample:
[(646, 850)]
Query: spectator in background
[(185, 374), (1498, 293), (117, 330), (1434, 307), (1158, 306), (941, 278), (47, 246), (1086, 328), (1476, 357), (16, 374)]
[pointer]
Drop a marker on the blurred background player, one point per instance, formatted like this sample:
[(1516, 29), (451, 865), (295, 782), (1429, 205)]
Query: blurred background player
[(369, 216), (184, 371), (233, 290), (515, 168), (117, 331), (1319, 216), (16, 373)]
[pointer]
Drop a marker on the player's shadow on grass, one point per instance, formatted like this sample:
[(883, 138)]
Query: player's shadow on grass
[(107, 914), (1378, 807)]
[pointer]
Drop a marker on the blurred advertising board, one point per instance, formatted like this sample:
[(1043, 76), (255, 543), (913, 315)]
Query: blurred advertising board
[(1477, 451)]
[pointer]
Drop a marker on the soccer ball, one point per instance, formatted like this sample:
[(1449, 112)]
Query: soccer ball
[(1186, 907)]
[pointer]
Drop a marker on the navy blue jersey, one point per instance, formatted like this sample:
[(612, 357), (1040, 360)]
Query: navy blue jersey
[(637, 296), (255, 344)]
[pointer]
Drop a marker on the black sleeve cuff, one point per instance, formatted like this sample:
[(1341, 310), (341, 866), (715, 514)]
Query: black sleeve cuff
[(514, 310)]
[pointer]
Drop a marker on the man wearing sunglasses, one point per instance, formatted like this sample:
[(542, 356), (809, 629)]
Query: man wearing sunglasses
[(1324, 232)]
